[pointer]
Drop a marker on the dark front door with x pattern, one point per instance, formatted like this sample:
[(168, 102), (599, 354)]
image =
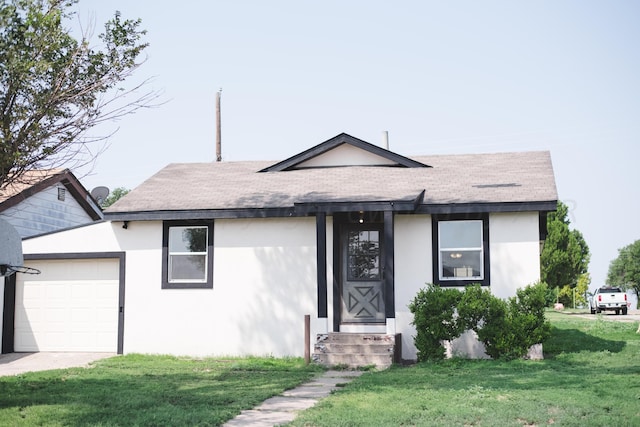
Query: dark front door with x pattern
[(362, 275)]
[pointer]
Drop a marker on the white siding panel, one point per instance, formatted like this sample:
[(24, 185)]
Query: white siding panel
[(43, 212), (515, 251), (413, 270), (345, 155), (72, 305), (264, 283), (95, 237)]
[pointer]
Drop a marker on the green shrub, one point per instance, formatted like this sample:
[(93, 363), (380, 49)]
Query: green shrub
[(527, 315), (506, 328), (487, 315), (433, 311)]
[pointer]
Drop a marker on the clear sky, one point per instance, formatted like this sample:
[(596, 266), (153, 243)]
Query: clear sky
[(441, 76)]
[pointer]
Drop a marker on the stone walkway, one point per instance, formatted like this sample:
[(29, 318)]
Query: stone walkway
[(283, 409)]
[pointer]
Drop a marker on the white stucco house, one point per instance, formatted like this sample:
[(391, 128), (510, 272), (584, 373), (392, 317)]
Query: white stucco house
[(227, 258)]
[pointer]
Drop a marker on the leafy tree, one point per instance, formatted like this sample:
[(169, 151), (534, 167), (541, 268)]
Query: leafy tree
[(568, 295), (114, 196), (54, 86), (624, 271), (565, 255)]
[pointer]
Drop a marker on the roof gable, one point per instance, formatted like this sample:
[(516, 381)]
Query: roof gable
[(344, 150), (39, 180)]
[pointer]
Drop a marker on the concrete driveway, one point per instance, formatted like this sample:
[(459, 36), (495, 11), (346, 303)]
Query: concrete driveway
[(632, 316), (18, 363)]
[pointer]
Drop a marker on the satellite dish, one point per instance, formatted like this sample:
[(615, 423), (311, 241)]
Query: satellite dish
[(100, 194), (11, 257)]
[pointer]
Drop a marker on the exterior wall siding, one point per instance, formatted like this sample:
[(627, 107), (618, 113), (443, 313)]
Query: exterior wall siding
[(413, 270), (324, 325), (264, 283), (345, 155), (43, 212), (515, 263), (94, 237), (515, 251), (265, 280)]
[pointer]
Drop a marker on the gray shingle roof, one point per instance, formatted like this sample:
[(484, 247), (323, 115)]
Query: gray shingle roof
[(453, 179)]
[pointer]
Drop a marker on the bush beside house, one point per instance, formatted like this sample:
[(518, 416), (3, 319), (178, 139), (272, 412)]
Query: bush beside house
[(507, 328)]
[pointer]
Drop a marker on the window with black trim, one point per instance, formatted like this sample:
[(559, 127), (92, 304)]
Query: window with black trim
[(460, 246), (187, 254)]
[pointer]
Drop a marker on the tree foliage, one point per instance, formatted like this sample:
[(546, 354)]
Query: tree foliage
[(577, 295), (54, 86), (565, 255), (624, 271), (114, 196)]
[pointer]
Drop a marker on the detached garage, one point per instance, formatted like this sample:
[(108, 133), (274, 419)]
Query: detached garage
[(75, 304)]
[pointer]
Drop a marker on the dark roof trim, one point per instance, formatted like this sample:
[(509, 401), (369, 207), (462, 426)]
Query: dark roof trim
[(75, 255), (334, 142), (372, 206), (305, 209), (73, 227), (202, 214), (70, 182), (463, 208)]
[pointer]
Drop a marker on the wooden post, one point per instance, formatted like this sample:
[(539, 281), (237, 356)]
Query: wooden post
[(307, 339)]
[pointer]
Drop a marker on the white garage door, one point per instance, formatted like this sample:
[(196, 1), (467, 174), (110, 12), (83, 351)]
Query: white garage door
[(72, 305)]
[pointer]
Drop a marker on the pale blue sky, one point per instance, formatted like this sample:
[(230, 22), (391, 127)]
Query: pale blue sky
[(442, 77)]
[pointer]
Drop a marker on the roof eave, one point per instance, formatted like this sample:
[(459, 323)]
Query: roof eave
[(488, 207), (312, 208)]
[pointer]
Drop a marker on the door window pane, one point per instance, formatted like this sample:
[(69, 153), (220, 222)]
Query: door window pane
[(363, 255)]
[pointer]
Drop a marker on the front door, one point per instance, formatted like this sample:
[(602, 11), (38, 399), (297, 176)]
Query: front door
[(362, 275)]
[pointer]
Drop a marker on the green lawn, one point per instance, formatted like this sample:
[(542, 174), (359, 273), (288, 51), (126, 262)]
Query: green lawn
[(590, 377), (147, 391)]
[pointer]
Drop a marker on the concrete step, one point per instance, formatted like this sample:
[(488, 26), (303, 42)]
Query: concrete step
[(355, 338), (354, 360), (337, 347), (356, 350)]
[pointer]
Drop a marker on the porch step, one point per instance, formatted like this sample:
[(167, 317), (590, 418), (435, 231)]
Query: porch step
[(355, 350)]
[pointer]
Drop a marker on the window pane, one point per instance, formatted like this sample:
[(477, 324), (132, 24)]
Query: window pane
[(188, 239), (461, 264), (363, 255), (460, 234), (187, 268)]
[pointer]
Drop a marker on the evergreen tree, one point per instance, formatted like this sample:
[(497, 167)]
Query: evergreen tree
[(565, 255)]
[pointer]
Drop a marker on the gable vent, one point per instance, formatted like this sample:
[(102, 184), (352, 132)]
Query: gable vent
[(511, 184)]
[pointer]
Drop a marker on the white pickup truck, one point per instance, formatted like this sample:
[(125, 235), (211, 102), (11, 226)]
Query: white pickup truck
[(608, 298)]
